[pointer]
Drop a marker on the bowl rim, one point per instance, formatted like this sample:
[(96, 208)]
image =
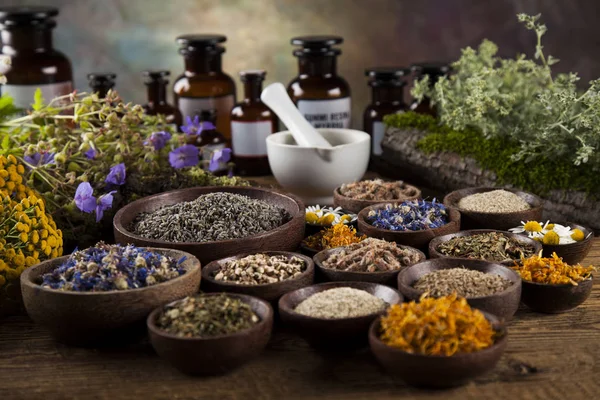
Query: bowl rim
[(118, 225), (152, 327), (435, 242), (322, 253), (484, 189), (498, 324), (27, 280), (206, 276), (364, 137), (337, 192), (453, 218), (516, 278), (351, 284)]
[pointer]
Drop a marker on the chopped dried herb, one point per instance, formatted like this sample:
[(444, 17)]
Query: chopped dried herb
[(552, 270), (462, 281), (489, 246)]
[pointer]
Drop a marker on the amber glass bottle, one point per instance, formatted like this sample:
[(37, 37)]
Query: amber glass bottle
[(209, 140), (26, 36), (387, 98), (435, 70), (251, 122), (320, 94), (101, 83), (204, 85), (156, 84)]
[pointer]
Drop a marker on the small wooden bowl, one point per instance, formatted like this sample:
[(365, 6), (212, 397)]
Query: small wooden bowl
[(92, 318), (355, 205), (286, 237), (572, 253), (433, 245), (502, 304), (334, 275), (270, 292), (438, 371), (333, 334), (217, 354), (555, 299), (497, 221), (416, 239)]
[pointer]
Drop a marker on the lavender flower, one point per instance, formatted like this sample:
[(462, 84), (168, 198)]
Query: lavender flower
[(184, 156), (104, 203), (39, 159), (219, 156), (117, 175), (90, 154), (158, 139), (84, 197)]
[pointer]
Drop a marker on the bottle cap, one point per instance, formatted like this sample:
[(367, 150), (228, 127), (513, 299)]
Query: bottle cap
[(207, 42), (208, 115), (34, 15), (155, 75), (317, 45), (432, 69), (98, 79), (387, 73), (252, 74)]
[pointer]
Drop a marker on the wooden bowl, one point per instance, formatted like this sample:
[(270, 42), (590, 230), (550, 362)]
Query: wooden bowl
[(384, 278), (497, 221), (433, 245), (270, 292), (333, 334), (355, 205), (438, 371), (572, 253), (91, 318), (502, 304), (286, 237), (217, 354), (416, 239), (555, 299)]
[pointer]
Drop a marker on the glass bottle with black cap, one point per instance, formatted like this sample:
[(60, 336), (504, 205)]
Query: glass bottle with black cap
[(251, 123), (156, 84), (101, 83), (387, 85), (203, 85), (435, 70), (321, 95), (26, 36)]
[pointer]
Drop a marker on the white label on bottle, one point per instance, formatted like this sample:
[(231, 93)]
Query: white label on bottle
[(378, 132), (326, 113), (192, 106), (22, 95), (207, 152), (250, 138)]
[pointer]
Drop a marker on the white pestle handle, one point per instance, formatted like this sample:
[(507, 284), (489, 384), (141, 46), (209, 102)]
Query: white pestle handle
[(276, 97)]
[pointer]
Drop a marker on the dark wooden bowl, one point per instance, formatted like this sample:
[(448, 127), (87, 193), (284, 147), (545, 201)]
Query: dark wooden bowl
[(93, 318), (416, 239), (307, 250), (333, 334), (438, 371), (433, 245), (503, 304), (285, 238), (270, 292), (333, 275), (497, 221), (572, 253), (555, 299), (355, 205), (218, 354)]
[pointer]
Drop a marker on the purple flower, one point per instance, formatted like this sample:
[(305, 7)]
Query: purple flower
[(158, 140), (39, 159), (104, 203), (84, 197), (117, 175), (218, 157), (184, 156), (90, 154), (192, 127), (208, 126)]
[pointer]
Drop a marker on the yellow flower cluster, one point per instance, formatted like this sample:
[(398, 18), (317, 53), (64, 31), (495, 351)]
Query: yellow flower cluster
[(28, 234)]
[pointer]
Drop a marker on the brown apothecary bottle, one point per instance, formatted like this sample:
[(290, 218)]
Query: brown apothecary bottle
[(435, 70), (251, 123), (101, 83), (26, 36), (209, 140), (156, 85), (387, 85), (204, 85), (321, 95)]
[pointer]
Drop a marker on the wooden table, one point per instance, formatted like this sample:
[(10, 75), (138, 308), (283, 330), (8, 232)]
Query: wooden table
[(548, 357)]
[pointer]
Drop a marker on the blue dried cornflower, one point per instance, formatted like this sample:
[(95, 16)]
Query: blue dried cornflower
[(412, 215)]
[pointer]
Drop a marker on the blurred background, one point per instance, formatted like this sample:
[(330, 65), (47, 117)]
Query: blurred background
[(128, 36)]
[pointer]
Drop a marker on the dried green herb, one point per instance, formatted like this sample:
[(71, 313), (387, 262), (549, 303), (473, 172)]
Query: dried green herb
[(206, 316), (489, 246), (462, 281)]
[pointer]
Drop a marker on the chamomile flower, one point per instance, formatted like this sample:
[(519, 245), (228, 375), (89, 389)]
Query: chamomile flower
[(327, 216), (549, 233)]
